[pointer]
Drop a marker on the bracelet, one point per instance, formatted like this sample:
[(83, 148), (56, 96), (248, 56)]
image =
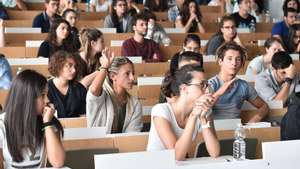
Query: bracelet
[(44, 128), (205, 126), (103, 68), (49, 123)]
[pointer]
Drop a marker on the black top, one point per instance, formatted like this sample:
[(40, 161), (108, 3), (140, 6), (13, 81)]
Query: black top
[(47, 49), (42, 21), (75, 37), (242, 22), (70, 105)]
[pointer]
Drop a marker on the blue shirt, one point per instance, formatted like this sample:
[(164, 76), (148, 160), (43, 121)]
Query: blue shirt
[(230, 103), (42, 21), (281, 29), (5, 74), (173, 12)]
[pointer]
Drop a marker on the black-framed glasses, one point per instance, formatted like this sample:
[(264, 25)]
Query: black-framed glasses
[(202, 84)]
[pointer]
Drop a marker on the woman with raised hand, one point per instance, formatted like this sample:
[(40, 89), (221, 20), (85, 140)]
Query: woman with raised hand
[(174, 125), (108, 102), (67, 95), (190, 17), (29, 132)]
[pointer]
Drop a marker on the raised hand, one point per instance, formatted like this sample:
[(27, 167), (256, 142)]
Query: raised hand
[(225, 87), (106, 58)]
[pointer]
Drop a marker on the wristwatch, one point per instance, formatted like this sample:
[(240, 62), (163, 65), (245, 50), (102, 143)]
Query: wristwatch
[(205, 126), (288, 80)]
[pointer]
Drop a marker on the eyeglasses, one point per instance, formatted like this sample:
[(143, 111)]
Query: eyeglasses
[(203, 84)]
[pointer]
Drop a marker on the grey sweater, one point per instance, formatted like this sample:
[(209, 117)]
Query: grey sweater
[(100, 112)]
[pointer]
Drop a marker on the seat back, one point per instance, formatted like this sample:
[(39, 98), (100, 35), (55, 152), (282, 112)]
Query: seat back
[(227, 148), (78, 159)]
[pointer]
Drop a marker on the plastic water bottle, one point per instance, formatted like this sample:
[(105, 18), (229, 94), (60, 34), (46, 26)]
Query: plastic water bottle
[(252, 26), (267, 17), (239, 145)]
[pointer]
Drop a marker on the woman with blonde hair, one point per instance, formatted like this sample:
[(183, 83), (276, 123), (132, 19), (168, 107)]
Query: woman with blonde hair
[(108, 102)]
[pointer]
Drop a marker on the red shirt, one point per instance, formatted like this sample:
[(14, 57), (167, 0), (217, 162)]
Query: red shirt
[(149, 50)]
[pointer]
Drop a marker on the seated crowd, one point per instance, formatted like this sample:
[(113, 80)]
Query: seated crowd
[(89, 79)]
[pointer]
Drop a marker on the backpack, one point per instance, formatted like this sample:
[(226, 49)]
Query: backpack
[(290, 124)]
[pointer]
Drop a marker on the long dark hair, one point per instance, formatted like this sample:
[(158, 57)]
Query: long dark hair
[(67, 43), (285, 5), (114, 16), (289, 43), (185, 12), (22, 123), (160, 7)]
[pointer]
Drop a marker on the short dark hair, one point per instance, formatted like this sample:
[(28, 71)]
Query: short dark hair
[(140, 16), (287, 10), (192, 37), (191, 56), (57, 62), (231, 46), (281, 60), (285, 5)]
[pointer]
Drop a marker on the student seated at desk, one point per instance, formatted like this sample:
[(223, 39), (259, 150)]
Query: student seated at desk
[(45, 19), (292, 42), (92, 45), (262, 62), (138, 45), (29, 133), (108, 102), (231, 92), (190, 17), (119, 17), (191, 43), (280, 80), (71, 16), (67, 95), (59, 38), (175, 125), (185, 58), (227, 32)]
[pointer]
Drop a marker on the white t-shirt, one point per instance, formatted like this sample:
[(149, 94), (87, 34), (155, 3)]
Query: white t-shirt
[(164, 110), (258, 64), (101, 8), (37, 160)]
